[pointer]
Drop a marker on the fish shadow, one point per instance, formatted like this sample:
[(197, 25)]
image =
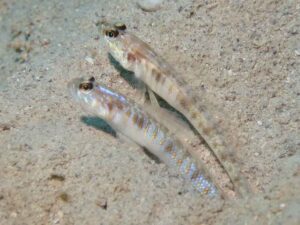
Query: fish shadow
[(99, 124), (102, 125)]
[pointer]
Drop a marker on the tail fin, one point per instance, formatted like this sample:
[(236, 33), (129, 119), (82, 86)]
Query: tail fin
[(211, 131)]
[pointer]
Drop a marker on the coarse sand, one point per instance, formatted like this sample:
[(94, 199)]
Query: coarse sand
[(60, 166)]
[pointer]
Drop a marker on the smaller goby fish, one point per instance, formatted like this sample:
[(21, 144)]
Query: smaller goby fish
[(137, 56), (132, 121)]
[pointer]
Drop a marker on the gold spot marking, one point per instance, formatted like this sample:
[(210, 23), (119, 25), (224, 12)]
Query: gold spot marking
[(147, 126), (170, 89), (187, 170), (174, 155), (199, 184), (140, 122), (206, 190), (154, 134), (162, 141), (179, 162), (169, 147), (135, 118), (128, 113)]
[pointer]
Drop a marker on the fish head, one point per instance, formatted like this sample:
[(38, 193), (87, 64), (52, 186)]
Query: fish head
[(86, 92), (117, 39)]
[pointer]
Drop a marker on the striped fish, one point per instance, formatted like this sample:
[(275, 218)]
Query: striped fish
[(137, 56), (132, 121)]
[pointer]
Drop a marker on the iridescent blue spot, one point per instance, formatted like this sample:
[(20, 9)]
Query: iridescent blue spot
[(151, 129), (113, 94), (160, 137), (193, 168), (184, 165)]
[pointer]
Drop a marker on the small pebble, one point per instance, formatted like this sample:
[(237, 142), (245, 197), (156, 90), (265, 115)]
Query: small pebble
[(282, 205), (37, 78), (89, 60), (102, 203), (149, 5), (65, 197), (45, 42), (288, 80), (13, 214), (297, 52), (57, 177), (259, 122)]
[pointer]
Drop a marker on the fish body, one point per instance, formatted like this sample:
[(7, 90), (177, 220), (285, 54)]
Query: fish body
[(132, 121), (137, 56)]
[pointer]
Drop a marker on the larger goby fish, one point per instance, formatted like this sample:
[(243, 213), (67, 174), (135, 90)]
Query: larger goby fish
[(131, 120), (137, 56)]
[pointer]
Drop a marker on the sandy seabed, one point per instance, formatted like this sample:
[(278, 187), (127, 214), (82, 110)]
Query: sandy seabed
[(58, 166)]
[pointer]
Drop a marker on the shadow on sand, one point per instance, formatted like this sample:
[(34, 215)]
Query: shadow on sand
[(99, 124)]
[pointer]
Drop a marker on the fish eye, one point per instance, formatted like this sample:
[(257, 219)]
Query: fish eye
[(112, 33), (86, 86), (120, 26)]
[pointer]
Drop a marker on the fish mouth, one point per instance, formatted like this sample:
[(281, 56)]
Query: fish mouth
[(73, 87)]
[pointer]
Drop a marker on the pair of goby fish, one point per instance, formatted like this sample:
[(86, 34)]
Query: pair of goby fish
[(129, 118)]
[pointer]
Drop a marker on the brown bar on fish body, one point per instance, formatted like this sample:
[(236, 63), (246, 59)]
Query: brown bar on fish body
[(137, 56), (128, 118)]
